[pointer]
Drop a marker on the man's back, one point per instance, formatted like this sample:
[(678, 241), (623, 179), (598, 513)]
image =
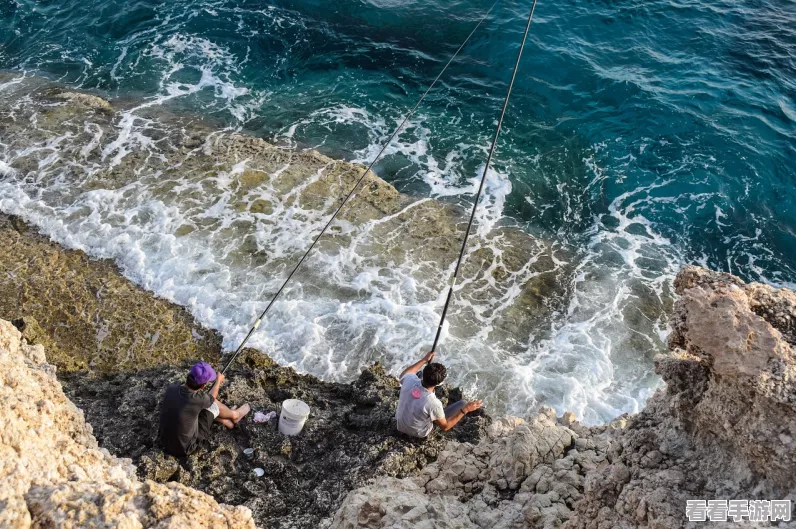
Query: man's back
[(179, 414), (417, 408)]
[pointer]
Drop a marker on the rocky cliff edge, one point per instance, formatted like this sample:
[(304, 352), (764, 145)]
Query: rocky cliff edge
[(724, 427), (52, 474)]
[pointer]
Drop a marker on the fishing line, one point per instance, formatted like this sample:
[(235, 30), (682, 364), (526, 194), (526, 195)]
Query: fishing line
[(483, 180), (351, 194)]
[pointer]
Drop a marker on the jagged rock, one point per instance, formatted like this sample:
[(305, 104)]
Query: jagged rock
[(720, 430), (52, 473), (508, 457), (531, 443), (87, 100), (503, 426), (568, 419), (158, 466), (750, 378)]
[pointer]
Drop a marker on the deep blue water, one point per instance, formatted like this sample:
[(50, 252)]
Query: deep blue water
[(642, 135), (694, 98)]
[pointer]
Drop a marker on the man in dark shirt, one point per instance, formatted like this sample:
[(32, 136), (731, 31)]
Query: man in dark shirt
[(187, 413)]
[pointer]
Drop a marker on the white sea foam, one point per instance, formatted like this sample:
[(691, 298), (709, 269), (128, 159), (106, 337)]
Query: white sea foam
[(5, 169), (590, 340), (348, 309)]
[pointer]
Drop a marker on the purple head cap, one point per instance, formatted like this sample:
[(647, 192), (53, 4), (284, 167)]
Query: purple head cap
[(202, 373)]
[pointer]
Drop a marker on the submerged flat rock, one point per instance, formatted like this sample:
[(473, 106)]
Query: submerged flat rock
[(214, 220), (247, 200)]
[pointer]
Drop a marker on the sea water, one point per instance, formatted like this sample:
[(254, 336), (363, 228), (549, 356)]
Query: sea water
[(641, 136)]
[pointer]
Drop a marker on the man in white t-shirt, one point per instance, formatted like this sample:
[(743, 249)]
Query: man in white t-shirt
[(418, 406)]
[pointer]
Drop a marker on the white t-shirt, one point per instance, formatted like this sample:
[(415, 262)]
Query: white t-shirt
[(418, 408)]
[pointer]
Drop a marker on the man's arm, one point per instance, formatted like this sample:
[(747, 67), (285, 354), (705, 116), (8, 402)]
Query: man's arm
[(446, 424), (414, 368), (216, 386)]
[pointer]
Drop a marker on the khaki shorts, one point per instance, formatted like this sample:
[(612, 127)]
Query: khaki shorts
[(213, 408)]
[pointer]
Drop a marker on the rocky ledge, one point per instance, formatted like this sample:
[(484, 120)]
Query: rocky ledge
[(724, 427), (53, 474), (349, 438)]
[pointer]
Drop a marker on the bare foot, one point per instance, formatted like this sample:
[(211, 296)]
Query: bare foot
[(226, 422), (241, 412)]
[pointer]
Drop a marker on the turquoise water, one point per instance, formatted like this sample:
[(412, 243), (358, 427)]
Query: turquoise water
[(642, 135)]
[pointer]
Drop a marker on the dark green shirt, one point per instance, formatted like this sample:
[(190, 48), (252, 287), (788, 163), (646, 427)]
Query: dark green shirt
[(179, 418)]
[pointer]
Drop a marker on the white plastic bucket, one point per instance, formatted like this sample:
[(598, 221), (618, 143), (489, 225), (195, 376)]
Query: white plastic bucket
[(294, 415)]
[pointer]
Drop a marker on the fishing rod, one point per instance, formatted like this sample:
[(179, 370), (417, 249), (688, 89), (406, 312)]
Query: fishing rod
[(351, 193), (452, 282)]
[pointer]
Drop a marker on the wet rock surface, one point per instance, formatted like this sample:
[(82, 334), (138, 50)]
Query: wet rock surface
[(722, 429), (253, 206), (85, 313)]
